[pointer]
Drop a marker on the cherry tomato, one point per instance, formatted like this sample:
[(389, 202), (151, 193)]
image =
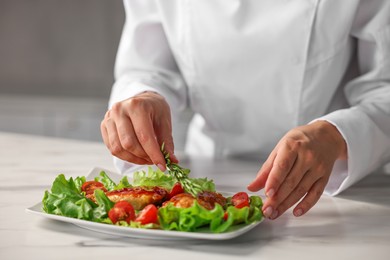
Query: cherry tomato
[(176, 189), (90, 186), (148, 215), (240, 200), (122, 210), (225, 216)]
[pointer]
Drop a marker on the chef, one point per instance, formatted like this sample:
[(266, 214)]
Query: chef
[(302, 85)]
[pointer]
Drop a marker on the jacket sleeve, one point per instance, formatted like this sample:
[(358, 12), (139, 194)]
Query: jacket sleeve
[(365, 126), (145, 62)]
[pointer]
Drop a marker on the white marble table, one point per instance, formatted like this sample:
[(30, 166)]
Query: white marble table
[(355, 225)]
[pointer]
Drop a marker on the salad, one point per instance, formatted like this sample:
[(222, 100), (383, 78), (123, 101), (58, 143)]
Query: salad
[(152, 200)]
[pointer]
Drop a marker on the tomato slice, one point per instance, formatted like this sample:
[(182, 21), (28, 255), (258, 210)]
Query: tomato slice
[(240, 200), (90, 186), (148, 215), (122, 210), (176, 189)]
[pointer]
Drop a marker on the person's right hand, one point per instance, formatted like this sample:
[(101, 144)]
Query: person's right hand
[(134, 129)]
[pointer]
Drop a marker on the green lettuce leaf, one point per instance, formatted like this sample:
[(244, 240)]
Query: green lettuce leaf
[(196, 216), (66, 199), (104, 205), (161, 179), (123, 183), (153, 178), (189, 219), (256, 201), (106, 180), (135, 224), (78, 182), (204, 183), (110, 184)]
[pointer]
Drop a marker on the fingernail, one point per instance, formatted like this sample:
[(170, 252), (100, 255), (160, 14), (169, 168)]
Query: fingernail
[(275, 214), (298, 212), (161, 167), (249, 187), (268, 212), (270, 193)]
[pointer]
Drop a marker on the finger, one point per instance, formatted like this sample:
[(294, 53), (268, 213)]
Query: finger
[(115, 146), (311, 198), (103, 129), (284, 161), (259, 182), (132, 158), (144, 131), (173, 158), (294, 178), (297, 194), (112, 137), (104, 133), (169, 147), (164, 135), (128, 138), (125, 131)]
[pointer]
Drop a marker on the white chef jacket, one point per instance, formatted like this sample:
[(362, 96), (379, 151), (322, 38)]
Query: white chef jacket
[(252, 70)]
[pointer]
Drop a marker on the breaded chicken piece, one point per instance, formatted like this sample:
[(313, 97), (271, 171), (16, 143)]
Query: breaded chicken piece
[(207, 199), (138, 197), (182, 200)]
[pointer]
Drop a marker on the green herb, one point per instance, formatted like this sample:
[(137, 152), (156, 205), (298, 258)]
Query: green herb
[(181, 175)]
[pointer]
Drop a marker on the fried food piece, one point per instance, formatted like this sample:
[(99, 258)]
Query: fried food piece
[(207, 199), (182, 200), (138, 197)]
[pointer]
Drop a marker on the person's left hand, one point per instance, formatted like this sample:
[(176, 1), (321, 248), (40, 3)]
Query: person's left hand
[(298, 168)]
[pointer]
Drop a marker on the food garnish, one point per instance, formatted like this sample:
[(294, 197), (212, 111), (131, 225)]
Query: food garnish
[(181, 175)]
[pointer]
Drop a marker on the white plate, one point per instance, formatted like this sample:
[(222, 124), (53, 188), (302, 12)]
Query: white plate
[(139, 232)]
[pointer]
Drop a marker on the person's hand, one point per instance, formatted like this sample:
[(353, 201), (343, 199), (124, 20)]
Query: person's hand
[(134, 129), (298, 168)]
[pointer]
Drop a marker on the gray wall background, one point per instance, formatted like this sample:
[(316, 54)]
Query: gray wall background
[(59, 48), (56, 65)]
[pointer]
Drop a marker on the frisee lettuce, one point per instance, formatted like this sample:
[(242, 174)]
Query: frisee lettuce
[(158, 178), (110, 184), (153, 178), (191, 218), (196, 216), (66, 199), (106, 180)]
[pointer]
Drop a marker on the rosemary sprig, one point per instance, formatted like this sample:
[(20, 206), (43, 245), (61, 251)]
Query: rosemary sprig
[(181, 175)]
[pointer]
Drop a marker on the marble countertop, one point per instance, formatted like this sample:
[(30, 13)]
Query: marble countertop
[(354, 225)]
